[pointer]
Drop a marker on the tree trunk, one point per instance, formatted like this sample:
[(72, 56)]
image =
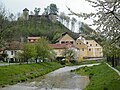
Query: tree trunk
[(113, 64), (36, 60)]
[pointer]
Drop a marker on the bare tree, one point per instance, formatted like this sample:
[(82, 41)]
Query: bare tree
[(73, 21)]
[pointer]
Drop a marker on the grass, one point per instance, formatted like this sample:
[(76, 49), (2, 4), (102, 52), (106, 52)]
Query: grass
[(85, 62), (21, 73), (101, 77), (118, 68)]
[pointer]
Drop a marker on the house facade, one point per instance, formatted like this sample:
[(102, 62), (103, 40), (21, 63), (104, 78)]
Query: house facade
[(12, 50), (60, 50), (89, 48), (66, 39), (32, 39)]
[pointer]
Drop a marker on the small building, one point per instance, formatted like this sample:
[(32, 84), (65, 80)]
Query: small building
[(12, 49), (32, 39), (60, 49)]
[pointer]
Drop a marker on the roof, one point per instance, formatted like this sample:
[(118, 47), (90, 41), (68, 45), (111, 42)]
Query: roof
[(1, 49), (58, 46), (25, 9), (33, 38), (15, 45), (62, 35), (62, 46)]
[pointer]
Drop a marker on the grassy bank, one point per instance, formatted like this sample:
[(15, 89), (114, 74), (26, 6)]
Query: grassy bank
[(20, 73), (101, 77)]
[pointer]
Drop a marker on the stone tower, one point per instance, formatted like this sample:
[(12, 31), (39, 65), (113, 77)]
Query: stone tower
[(25, 14)]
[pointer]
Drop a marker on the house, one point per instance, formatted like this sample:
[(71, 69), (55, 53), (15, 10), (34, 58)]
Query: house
[(66, 39), (60, 50), (94, 49), (89, 48), (12, 49), (32, 39)]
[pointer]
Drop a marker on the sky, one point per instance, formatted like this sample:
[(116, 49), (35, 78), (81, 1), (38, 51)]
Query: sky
[(16, 6)]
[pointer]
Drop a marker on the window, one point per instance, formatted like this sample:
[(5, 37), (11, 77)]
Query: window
[(86, 42), (96, 44), (80, 43), (71, 42), (90, 44), (11, 52), (89, 49), (82, 49), (62, 42), (67, 42)]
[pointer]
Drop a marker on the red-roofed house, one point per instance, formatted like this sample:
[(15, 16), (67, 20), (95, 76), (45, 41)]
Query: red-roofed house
[(59, 49), (33, 39)]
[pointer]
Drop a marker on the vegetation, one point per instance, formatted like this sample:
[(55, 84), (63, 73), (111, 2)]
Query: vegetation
[(35, 52), (20, 73), (101, 77), (107, 20)]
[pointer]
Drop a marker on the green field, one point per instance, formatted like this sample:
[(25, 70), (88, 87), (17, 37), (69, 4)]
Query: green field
[(101, 77), (20, 73)]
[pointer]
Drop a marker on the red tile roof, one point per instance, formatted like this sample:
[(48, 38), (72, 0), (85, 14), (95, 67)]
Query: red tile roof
[(58, 46)]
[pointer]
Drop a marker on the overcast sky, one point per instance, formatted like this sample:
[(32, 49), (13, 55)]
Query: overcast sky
[(18, 5), (15, 6)]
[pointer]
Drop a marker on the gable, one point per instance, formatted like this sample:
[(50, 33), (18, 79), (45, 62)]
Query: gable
[(80, 44), (67, 38)]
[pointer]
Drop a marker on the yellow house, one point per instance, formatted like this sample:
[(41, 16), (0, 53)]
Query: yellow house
[(58, 49), (82, 47), (94, 49), (89, 48), (66, 39)]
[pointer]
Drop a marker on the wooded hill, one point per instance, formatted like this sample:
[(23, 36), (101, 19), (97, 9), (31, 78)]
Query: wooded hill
[(46, 28)]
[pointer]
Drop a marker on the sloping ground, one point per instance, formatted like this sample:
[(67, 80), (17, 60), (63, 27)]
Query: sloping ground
[(101, 77), (60, 79), (21, 73)]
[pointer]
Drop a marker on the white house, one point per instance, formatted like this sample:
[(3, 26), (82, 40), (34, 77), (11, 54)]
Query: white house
[(12, 49)]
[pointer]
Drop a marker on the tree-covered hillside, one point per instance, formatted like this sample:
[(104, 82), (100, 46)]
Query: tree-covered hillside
[(43, 27)]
